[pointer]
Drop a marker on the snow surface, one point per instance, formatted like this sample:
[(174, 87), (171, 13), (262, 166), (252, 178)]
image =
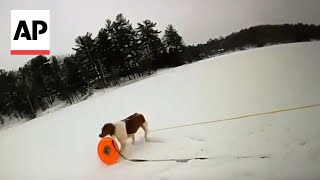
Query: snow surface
[(62, 145)]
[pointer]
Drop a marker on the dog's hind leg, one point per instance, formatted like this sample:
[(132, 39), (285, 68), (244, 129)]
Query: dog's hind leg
[(132, 137), (146, 130)]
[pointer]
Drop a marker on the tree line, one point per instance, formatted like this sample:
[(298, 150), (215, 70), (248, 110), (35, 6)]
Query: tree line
[(257, 36), (118, 52)]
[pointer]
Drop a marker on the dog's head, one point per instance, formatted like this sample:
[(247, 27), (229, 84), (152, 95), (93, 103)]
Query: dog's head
[(107, 129)]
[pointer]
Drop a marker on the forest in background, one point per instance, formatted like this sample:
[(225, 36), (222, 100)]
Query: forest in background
[(118, 52)]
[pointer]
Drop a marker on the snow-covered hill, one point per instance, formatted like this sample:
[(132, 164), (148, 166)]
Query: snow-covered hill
[(62, 145)]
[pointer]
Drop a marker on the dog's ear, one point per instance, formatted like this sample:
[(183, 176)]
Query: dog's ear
[(110, 128), (107, 129)]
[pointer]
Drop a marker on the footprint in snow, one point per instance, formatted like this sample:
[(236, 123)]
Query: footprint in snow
[(302, 143), (196, 139), (155, 140)]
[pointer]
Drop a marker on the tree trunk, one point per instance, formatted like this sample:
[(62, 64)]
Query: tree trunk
[(31, 107), (2, 120), (102, 73), (20, 115)]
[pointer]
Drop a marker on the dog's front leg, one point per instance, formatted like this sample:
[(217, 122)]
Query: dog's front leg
[(123, 146)]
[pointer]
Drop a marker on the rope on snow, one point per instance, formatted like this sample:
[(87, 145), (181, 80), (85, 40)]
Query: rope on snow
[(215, 121)]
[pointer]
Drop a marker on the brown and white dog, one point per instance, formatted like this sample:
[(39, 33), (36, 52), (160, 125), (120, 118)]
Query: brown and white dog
[(125, 129)]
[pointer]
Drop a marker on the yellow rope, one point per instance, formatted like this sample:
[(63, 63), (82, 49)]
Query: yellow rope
[(241, 117)]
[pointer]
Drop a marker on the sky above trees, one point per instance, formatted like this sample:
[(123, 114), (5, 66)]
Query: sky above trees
[(196, 21)]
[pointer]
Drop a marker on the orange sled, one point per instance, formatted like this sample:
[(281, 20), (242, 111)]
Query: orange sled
[(108, 151)]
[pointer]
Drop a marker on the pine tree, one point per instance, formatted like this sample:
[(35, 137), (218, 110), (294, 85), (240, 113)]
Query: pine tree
[(75, 80), (106, 52), (86, 51), (172, 40), (174, 47), (57, 79), (125, 46), (4, 93), (39, 89), (150, 43), (25, 91)]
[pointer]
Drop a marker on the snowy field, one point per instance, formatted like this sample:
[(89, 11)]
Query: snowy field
[(61, 145)]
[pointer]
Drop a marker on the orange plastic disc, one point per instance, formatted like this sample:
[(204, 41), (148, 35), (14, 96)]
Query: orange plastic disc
[(108, 150)]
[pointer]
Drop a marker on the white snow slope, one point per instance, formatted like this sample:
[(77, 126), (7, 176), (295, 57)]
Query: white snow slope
[(62, 145)]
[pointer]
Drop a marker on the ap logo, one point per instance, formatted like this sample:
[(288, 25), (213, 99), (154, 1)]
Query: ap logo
[(30, 32)]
